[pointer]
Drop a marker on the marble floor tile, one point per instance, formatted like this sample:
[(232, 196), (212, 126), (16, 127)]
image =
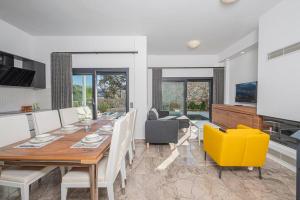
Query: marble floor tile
[(189, 177)]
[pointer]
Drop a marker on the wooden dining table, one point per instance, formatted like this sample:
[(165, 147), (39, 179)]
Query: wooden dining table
[(60, 153)]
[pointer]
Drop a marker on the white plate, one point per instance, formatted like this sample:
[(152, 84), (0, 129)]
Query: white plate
[(69, 128), (38, 141), (42, 136), (92, 137), (84, 140), (107, 127)]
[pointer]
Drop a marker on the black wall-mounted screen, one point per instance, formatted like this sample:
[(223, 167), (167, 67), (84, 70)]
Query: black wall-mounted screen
[(13, 76), (246, 92)]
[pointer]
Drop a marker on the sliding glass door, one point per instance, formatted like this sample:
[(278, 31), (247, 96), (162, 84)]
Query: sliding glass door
[(173, 99), (187, 96), (198, 99), (105, 91), (111, 92)]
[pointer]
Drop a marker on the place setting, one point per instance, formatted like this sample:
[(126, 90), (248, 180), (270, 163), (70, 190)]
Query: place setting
[(93, 140), (39, 141), (68, 129), (86, 122), (105, 129)]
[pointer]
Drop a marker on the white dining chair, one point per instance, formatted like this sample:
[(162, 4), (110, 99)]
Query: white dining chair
[(68, 116), (13, 129), (108, 169), (129, 138), (46, 121)]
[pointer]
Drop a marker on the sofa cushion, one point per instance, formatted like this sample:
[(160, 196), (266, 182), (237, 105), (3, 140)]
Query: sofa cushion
[(152, 115), (155, 111)]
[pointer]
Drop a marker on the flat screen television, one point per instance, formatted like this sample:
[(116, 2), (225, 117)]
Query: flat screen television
[(13, 76), (246, 92)]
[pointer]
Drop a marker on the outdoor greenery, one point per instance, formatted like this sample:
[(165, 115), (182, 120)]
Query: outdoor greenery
[(174, 105), (112, 85), (111, 93), (103, 106), (193, 106)]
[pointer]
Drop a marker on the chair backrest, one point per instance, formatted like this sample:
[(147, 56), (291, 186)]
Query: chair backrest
[(68, 116), (130, 117), (115, 152), (13, 129), (132, 122), (46, 121), (126, 135)]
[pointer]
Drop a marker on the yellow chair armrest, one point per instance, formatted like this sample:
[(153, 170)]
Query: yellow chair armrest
[(212, 142), (256, 150), (241, 126)]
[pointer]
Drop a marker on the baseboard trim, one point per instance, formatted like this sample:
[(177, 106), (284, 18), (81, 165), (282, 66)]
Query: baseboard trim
[(281, 162), (283, 149)]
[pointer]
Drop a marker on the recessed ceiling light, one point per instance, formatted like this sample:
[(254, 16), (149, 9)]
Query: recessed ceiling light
[(243, 52), (228, 1), (193, 44)]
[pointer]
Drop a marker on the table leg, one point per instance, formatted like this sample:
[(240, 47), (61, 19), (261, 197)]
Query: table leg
[(1, 166), (93, 182), (199, 133)]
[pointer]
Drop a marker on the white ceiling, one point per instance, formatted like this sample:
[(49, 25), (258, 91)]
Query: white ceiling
[(168, 24)]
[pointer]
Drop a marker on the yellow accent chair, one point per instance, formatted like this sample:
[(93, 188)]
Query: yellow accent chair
[(241, 147)]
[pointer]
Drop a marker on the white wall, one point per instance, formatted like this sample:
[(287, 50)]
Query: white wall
[(15, 41), (241, 69), (138, 64), (182, 61), (188, 72), (279, 82), (241, 45)]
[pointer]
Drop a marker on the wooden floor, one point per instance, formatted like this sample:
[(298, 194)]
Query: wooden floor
[(188, 177)]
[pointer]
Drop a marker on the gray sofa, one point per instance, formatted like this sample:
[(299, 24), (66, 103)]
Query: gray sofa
[(160, 130)]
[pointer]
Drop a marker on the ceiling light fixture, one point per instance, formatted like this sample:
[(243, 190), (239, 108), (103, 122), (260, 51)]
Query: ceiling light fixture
[(228, 1), (193, 44), (243, 52)]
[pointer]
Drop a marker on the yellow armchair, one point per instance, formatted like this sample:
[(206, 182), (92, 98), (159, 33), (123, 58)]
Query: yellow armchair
[(241, 147)]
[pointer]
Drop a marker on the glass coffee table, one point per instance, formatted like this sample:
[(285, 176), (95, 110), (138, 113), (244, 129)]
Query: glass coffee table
[(199, 125)]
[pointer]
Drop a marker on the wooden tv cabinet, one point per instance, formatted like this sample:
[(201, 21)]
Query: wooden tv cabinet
[(229, 116)]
